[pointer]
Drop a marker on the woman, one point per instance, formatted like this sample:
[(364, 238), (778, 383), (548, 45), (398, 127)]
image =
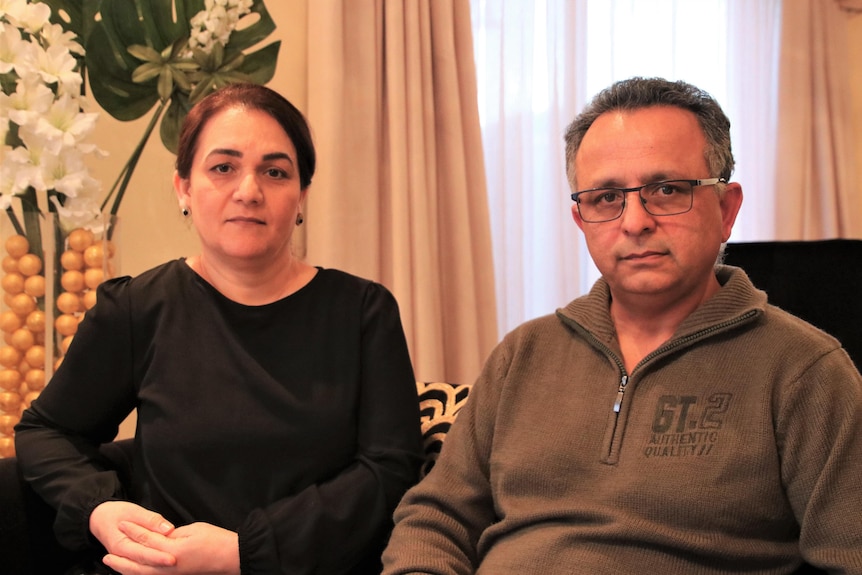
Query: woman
[(278, 422)]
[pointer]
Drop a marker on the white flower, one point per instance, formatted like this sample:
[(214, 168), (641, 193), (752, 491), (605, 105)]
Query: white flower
[(31, 99), (45, 170), (7, 184), (30, 17), (11, 8), (64, 125), (41, 100), (216, 23), (26, 159), (57, 65), (80, 212), (54, 35), (12, 48), (13, 176), (67, 174)]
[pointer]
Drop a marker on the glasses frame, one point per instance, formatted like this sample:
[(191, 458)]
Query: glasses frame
[(639, 189)]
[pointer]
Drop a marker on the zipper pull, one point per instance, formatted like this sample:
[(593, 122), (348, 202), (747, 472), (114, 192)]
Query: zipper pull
[(622, 389)]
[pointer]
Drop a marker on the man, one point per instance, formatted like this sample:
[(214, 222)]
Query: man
[(670, 421)]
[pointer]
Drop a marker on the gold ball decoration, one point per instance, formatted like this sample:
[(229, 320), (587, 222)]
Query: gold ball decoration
[(35, 286), (32, 347), (93, 277), (35, 356), (17, 246), (29, 265), (7, 424), (80, 239), (7, 446), (12, 283), (72, 260), (10, 264)]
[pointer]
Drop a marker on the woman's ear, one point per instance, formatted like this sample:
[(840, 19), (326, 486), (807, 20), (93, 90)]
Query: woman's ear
[(181, 188)]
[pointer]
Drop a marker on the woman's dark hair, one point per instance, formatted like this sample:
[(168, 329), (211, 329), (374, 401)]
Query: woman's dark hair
[(251, 97)]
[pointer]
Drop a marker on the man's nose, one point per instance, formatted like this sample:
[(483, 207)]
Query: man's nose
[(635, 218)]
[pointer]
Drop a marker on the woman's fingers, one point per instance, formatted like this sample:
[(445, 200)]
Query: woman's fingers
[(145, 546)]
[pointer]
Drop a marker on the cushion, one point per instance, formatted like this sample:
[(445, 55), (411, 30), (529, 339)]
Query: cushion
[(439, 404)]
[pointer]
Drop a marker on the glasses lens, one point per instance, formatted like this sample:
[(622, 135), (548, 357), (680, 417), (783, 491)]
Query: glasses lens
[(667, 198), (601, 205)]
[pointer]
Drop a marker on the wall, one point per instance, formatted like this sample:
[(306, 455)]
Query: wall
[(854, 26), (152, 230)]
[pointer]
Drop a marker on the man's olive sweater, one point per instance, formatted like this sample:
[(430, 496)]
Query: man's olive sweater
[(736, 447)]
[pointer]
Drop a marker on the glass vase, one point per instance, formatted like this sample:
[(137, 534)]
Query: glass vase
[(49, 278)]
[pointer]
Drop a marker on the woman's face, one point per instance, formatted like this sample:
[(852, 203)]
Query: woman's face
[(243, 190)]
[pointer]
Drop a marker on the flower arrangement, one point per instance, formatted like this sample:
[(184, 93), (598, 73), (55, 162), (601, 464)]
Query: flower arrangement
[(135, 55)]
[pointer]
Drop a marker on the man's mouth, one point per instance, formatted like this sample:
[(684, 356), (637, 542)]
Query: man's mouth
[(642, 255)]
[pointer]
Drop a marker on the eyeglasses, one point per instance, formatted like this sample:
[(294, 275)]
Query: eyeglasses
[(669, 198)]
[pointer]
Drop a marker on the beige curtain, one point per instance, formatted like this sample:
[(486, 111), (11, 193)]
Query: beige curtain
[(817, 196), (400, 194)]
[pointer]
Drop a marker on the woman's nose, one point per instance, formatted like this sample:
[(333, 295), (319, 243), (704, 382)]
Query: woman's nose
[(248, 189)]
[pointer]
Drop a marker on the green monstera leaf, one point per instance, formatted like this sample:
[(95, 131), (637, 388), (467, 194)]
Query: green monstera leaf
[(134, 58), (137, 59)]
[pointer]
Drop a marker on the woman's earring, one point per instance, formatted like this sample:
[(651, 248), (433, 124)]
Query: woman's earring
[(184, 211), (299, 219)]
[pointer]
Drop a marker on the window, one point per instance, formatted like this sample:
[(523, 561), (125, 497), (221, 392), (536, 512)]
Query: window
[(538, 63)]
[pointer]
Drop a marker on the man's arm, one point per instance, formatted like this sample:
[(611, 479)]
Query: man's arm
[(819, 434), (439, 522)]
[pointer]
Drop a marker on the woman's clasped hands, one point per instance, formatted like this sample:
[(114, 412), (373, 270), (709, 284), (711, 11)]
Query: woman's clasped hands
[(142, 542)]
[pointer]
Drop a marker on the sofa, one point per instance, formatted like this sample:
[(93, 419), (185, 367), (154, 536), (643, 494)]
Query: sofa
[(27, 544)]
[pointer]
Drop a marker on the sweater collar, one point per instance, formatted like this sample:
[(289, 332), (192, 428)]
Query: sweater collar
[(736, 300)]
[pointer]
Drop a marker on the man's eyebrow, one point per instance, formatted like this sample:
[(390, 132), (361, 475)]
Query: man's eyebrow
[(613, 182)]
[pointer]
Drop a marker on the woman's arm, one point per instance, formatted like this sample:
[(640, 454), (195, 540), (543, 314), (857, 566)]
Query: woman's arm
[(58, 438), (330, 526)]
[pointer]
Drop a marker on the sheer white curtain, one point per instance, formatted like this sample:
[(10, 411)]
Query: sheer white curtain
[(526, 59), (538, 62)]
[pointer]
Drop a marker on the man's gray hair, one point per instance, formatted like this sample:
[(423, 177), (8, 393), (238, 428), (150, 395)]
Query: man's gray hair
[(637, 93)]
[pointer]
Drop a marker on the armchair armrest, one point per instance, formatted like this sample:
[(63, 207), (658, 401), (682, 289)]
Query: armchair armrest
[(27, 543)]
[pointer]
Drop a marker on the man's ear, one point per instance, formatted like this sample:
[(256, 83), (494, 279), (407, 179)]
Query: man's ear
[(729, 202), (576, 215)]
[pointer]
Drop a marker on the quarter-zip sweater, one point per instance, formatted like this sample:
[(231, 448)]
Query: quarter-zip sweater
[(736, 447)]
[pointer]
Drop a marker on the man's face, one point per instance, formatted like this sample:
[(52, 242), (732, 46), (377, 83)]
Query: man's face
[(640, 254)]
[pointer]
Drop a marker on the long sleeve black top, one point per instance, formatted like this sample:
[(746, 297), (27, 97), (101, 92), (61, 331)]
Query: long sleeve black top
[(293, 423)]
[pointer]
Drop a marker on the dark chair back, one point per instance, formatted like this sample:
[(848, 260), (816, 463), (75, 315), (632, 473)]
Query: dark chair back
[(818, 281)]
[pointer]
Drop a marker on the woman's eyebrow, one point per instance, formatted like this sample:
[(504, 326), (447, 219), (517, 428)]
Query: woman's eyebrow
[(226, 152), (277, 156), (266, 157)]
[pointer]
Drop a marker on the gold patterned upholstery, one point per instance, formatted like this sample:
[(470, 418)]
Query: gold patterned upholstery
[(439, 404)]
